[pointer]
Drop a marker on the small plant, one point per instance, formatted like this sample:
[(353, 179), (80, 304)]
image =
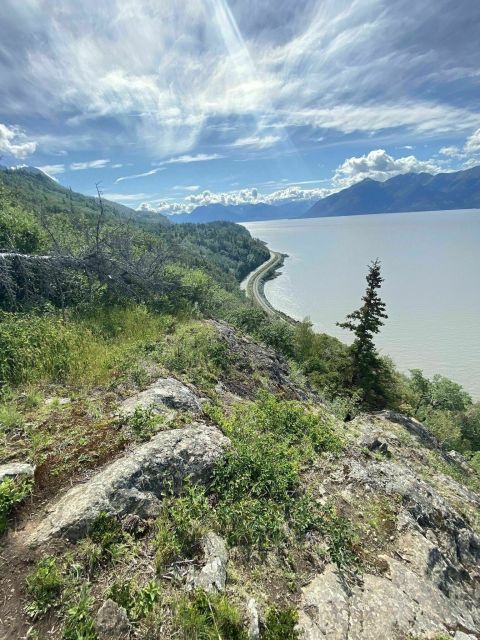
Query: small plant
[(44, 586), (10, 418), (143, 423), (182, 522), (280, 625), (106, 542), (209, 617), (79, 624), (137, 601), (12, 492)]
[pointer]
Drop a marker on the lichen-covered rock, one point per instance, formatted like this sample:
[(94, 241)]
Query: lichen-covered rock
[(163, 394), (212, 576), (253, 620), (134, 483), (111, 622), (18, 470)]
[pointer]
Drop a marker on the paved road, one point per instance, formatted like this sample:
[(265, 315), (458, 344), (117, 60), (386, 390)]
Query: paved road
[(254, 282)]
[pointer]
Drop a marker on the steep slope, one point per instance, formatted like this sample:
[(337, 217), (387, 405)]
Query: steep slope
[(410, 192), (34, 190), (297, 525)]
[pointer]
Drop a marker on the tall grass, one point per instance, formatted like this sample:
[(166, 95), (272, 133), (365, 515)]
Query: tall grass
[(83, 350)]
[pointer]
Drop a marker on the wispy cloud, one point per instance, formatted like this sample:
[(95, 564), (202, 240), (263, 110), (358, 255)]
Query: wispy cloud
[(139, 175), (90, 164), (257, 142), (187, 159), (52, 169)]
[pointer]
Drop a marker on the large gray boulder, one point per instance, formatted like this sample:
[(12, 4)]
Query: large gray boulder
[(20, 470), (134, 483), (162, 395)]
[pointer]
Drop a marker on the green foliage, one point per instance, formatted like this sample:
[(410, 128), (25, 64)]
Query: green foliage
[(143, 423), (181, 524), (12, 492), (369, 372), (79, 622), (437, 393), (10, 418), (281, 625), (258, 482), (325, 360), (202, 616), (470, 427), (106, 542), (137, 601), (196, 351), (44, 586), (19, 231)]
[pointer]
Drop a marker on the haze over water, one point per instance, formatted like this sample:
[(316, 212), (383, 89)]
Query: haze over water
[(431, 265)]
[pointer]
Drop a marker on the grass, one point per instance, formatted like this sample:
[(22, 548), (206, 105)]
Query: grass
[(202, 616), (280, 625), (12, 492)]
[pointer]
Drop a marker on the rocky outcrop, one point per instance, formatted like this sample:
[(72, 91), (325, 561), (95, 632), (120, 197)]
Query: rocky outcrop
[(212, 576), (253, 358), (426, 582), (162, 395), (134, 483), (20, 470)]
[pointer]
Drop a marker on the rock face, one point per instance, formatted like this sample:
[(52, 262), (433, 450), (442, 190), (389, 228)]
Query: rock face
[(18, 470), (250, 358), (427, 580), (135, 482), (163, 394), (212, 576), (111, 622)]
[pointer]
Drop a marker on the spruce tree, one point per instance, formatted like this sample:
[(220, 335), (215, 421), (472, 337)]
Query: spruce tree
[(368, 368)]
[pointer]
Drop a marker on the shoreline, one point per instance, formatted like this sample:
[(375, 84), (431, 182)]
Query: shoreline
[(254, 285)]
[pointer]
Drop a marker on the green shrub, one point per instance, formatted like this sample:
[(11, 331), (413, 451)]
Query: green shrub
[(181, 524), (208, 617), (143, 423), (44, 586), (10, 418), (257, 484), (12, 492), (280, 625), (137, 601)]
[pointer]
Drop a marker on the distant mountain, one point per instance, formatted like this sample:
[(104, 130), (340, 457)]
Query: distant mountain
[(35, 190), (245, 212), (409, 192)]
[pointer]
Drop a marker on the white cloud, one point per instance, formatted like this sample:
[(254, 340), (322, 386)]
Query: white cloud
[(90, 164), (188, 187), (473, 142), (379, 165), (52, 169), (139, 175), (125, 197), (451, 152), (187, 159), (13, 142), (259, 142)]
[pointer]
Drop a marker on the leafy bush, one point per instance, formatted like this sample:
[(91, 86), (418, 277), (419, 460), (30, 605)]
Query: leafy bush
[(143, 423), (12, 492), (258, 482), (44, 586)]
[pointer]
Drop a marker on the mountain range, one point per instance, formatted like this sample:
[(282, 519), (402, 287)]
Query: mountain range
[(408, 192)]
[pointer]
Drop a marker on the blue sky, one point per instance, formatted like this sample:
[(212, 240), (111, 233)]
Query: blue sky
[(175, 103)]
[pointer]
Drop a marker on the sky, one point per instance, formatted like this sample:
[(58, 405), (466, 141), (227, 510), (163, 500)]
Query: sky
[(170, 104)]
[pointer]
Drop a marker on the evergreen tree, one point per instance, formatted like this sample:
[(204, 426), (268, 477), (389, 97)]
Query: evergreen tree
[(370, 374)]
